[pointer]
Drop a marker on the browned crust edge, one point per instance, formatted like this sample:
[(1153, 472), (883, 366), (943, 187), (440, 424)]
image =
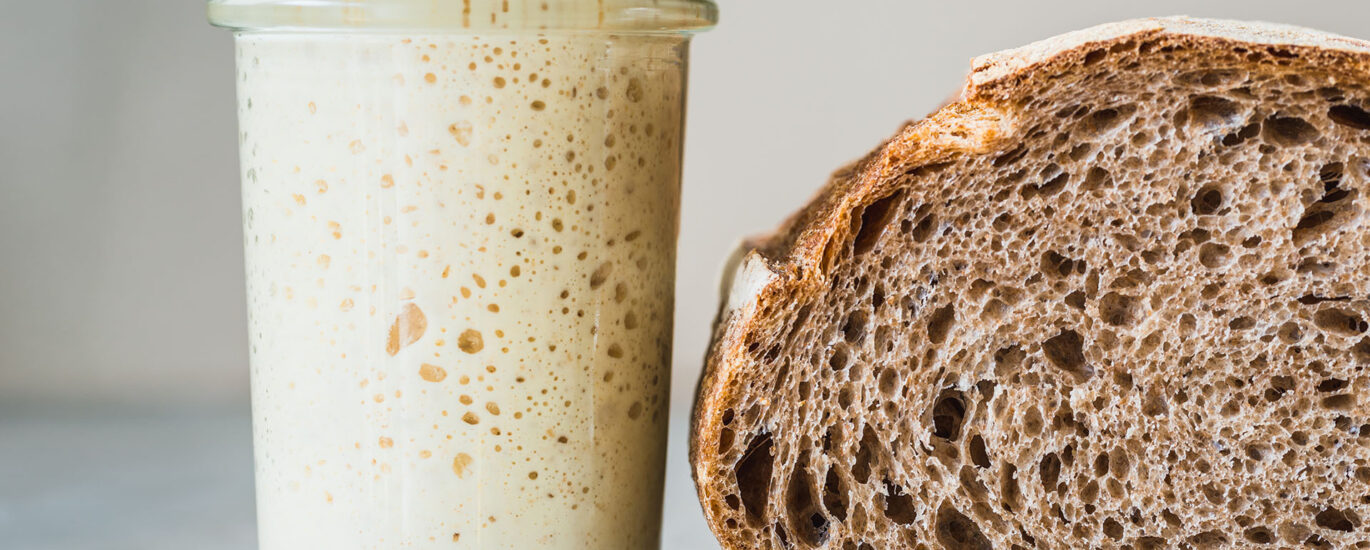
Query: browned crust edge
[(982, 121)]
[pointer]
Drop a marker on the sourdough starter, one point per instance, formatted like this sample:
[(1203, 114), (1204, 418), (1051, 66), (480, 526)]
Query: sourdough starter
[(460, 259)]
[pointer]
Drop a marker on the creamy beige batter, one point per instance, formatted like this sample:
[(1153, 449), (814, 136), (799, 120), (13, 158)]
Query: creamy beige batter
[(460, 272)]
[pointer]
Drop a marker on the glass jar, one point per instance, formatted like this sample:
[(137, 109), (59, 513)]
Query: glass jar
[(460, 224)]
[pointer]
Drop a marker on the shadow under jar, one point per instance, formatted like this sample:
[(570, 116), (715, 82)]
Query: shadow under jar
[(460, 222)]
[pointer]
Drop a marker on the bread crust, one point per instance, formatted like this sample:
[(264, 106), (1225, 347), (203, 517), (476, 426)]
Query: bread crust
[(793, 263)]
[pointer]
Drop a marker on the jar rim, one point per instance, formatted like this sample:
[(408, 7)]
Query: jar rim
[(616, 16)]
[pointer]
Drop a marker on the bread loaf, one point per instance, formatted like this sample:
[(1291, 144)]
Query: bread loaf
[(1116, 295)]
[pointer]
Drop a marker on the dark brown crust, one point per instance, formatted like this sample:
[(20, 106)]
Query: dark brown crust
[(983, 121)]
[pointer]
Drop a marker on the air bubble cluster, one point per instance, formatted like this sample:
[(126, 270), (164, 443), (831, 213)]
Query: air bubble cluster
[(462, 247)]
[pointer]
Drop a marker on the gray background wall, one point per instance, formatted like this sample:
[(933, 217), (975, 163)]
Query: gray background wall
[(120, 261)]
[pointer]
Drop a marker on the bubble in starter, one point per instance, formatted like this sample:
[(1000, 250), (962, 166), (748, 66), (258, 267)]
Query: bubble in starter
[(470, 341), (432, 373), (461, 130), (461, 463), (409, 326)]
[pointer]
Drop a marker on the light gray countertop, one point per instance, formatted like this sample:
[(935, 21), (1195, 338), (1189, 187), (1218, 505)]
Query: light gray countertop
[(178, 479)]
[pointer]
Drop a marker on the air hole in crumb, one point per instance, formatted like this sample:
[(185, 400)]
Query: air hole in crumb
[(808, 522), (1010, 157), (1279, 385), (1080, 152), (1319, 219), (835, 496), (1076, 299), (845, 396), (1289, 131), (1330, 175), (978, 455), (854, 329), (1339, 322), (899, 506), (957, 532), (1101, 465), (1314, 267), (1215, 255), (1259, 535), (1274, 277), (1171, 519), (1008, 360), (1208, 200), (1336, 520), (1008, 487), (1151, 543), (1032, 422), (1113, 529), (1119, 310), (924, 229), (1065, 351), (871, 224), (1048, 187), (888, 381), (1209, 539), (782, 535), (753, 473), (1350, 116), (1096, 178), (725, 440), (1290, 332), (1119, 463), (1340, 402), (1055, 265), (840, 358), (1214, 114), (865, 454), (800, 317), (947, 414), (1213, 78), (1155, 404), (940, 323), (1104, 121), (1240, 136)]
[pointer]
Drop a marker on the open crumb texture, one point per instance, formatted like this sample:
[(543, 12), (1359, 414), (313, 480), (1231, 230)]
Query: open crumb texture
[(1115, 297)]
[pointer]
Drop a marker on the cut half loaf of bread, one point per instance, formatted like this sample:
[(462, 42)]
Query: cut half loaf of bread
[(1114, 296)]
